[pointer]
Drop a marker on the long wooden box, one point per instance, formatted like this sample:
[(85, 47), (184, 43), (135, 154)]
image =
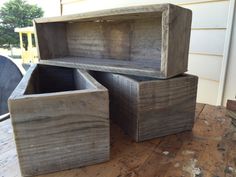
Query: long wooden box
[(141, 40), (60, 118), (147, 108)]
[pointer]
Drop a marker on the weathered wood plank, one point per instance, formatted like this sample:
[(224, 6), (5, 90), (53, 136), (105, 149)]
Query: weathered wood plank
[(116, 40), (208, 150), (59, 122), (231, 110), (118, 66), (52, 40), (231, 105), (146, 108), (167, 106), (177, 55)]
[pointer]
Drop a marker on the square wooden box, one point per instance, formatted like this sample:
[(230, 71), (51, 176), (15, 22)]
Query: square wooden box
[(141, 40), (60, 118), (146, 108)]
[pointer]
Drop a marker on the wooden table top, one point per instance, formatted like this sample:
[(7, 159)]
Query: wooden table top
[(209, 151)]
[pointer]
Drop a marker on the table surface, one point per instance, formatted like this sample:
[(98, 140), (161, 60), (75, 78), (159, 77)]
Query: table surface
[(208, 151)]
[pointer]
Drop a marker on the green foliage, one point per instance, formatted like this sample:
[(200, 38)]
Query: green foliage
[(16, 14)]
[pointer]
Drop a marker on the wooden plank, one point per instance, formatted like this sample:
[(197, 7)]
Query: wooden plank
[(124, 94), (166, 107), (130, 35), (56, 125), (231, 105), (146, 108), (52, 40), (209, 149), (9, 165), (177, 55), (112, 14), (231, 110), (114, 39), (139, 67)]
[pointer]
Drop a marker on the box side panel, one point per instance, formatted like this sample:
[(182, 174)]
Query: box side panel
[(61, 132), (88, 82), (134, 39), (81, 82), (116, 13), (25, 83), (126, 40), (167, 106), (123, 100), (178, 41), (51, 40)]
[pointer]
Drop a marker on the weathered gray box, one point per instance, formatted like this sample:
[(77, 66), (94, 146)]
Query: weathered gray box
[(146, 108), (151, 40), (60, 118)]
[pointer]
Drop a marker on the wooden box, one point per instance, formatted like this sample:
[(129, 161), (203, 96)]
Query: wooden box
[(146, 108), (141, 40), (60, 118)]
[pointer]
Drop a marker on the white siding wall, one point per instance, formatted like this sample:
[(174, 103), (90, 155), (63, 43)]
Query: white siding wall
[(207, 37), (230, 85)]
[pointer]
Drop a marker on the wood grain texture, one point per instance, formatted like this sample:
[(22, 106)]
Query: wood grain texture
[(139, 67), (210, 148), (116, 40), (231, 110), (52, 40), (57, 128), (121, 40), (231, 105), (146, 108), (178, 41)]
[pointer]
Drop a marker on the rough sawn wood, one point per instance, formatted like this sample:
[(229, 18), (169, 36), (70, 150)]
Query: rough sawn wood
[(146, 108), (60, 119), (148, 40)]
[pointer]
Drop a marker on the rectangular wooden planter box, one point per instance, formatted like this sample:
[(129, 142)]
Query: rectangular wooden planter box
[(60, 118), (140, 40), (146, 108)]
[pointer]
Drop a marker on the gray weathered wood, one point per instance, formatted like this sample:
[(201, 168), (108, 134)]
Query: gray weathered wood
[(146, 108), (60, 118), (141, 40), (231, 110)]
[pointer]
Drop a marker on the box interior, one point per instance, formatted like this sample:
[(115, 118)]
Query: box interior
[(133, 42), (49, 79)]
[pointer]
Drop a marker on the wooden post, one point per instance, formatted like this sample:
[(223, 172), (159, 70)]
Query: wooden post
[(29, 38), (21, 41), (30, 46)]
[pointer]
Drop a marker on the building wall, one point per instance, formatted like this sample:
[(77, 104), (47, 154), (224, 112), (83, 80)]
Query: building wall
[(230, 84), (210, 18)]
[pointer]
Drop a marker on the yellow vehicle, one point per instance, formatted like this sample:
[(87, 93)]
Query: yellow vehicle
[(28, 50)]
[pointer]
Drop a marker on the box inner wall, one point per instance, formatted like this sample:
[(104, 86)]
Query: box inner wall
[(49, 79)]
